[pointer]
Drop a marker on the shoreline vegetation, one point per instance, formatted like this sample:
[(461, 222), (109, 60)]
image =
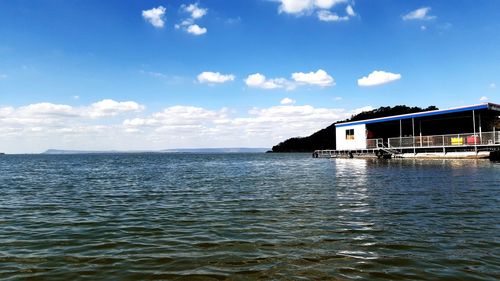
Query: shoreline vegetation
[(325, 138)]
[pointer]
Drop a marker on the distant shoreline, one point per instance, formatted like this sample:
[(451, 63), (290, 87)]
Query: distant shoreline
[(166, 151)]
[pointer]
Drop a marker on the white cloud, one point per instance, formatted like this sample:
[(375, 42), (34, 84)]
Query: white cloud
[(185, 23), (327, 4), (325, 15), (37, 127), (378, 78), (493, 86), (45, 109), (362, 109), (304, 6), (483, 98), (295, 6), (287, 101), (337, 98), (199, 127), (196, 12), (318, 78), (176, 117), (321, 7), (155, 16), (40, 117), (189, 24), (196, 29), (214, 77), (350, 11), (419, 14), (258, 80), (108, 107)]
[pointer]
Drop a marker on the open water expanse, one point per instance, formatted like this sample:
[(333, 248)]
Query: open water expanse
[(247, 217)]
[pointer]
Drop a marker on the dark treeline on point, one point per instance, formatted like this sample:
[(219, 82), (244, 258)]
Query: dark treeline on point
[(325, 138)]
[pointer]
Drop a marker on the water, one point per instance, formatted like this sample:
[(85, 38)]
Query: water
[(247, 217)]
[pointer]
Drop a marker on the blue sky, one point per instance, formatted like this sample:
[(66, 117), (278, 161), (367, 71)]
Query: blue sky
[(126, 74)]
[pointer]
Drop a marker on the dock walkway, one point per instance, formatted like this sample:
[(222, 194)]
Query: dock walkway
[(479, 145)]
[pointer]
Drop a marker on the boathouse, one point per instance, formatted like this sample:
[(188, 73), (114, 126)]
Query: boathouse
[(471, 130)]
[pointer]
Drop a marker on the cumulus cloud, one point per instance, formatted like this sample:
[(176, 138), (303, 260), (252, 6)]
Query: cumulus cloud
[(318, 78), (302, 6), (196, 12), (45, 108), (326, 15), (287, 101), (46, 112), (378, 77), (258, 80), (108, 107), (419, 14), (189, 24), (155, 16), (177, 116), (483, 98), (327, 4), (36, 127), (216, 128), (214, 77), (295, 6), (196, 29), (321, 7)]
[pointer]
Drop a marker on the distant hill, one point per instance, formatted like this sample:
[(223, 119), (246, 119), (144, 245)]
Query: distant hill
[(217, 150), (181, 150), (325, 138), (61, 151)]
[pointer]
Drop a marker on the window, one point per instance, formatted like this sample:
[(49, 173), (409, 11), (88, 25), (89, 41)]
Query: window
[(349, 134)]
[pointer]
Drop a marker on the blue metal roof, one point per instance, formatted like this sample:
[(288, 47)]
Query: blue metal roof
[(421, 114)]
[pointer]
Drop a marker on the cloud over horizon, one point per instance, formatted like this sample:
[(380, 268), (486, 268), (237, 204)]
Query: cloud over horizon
[(99, 126)]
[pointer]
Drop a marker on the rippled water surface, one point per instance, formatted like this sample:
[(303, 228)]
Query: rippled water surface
[(247, 217)]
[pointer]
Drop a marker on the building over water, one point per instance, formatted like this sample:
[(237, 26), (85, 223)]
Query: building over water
[(462, 132)]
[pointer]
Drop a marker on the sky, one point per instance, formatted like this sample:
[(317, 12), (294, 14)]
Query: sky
[(159, 74)]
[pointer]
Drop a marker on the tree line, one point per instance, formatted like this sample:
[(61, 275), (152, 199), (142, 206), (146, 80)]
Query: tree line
[(325, 138)]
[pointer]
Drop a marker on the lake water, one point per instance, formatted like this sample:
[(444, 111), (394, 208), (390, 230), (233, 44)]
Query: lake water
[(247, 217)]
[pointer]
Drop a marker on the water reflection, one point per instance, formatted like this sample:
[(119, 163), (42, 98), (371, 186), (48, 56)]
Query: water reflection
[(351, 169), (354, 206)]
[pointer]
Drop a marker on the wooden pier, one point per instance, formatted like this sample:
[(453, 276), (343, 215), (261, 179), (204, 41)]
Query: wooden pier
[(463, 146)]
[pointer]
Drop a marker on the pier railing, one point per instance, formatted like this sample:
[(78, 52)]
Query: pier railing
[(453, 140), (374, 143)]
